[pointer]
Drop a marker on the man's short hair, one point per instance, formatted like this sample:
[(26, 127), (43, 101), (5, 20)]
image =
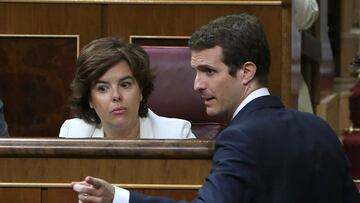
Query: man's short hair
[(242, 39)]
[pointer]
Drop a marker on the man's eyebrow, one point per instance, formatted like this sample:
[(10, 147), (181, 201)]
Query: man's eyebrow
[(205, 66)]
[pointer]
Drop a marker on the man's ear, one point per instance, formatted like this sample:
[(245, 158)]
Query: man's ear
[(249, 70)]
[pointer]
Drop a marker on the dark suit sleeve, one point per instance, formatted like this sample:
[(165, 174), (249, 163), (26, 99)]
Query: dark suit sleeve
[(232, 176), (139, 198)]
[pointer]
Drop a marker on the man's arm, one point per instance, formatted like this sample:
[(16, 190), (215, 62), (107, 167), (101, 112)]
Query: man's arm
[(231, 178)]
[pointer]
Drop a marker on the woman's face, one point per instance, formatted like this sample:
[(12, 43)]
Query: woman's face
[(116, 97)]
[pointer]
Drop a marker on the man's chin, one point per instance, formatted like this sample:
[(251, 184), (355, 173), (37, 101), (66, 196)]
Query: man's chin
[(211, 112)]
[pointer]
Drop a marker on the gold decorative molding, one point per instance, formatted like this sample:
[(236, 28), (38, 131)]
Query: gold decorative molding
[(132, 37), (128, 186), (159, 186), (351, 129), (77, 37), (195, 2)]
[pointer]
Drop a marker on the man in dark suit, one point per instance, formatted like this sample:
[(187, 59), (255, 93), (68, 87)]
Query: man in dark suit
[(267, 153)]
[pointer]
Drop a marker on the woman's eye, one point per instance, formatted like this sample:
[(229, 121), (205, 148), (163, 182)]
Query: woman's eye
[(101, 88), (126, 84)]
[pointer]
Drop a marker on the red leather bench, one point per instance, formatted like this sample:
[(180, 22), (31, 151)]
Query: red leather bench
[(173, 94), (351, 141)]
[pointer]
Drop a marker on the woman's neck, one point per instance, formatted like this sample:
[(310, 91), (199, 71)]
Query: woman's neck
[(130, 132)]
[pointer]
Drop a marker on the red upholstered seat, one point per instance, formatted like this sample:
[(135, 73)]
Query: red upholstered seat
[(354, 104), (351, 142), (174, 96), (352, 149)]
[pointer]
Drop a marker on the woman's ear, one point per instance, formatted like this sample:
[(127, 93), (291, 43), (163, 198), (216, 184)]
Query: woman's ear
[(249, 70), (91, 104)]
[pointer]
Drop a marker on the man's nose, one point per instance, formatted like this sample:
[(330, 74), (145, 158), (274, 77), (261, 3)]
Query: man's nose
[(198, 83)]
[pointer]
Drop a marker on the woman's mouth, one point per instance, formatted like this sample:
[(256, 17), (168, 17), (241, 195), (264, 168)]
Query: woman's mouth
[(118, 110)]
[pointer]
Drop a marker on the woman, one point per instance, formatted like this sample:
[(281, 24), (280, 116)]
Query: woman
[(111, 87)]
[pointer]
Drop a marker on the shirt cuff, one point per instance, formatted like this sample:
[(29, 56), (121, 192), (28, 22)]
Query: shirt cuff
[(121, 195)]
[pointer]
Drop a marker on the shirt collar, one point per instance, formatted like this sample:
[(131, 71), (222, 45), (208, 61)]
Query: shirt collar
[(253, 95)]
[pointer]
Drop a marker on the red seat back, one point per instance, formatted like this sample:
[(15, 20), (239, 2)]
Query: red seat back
[(174, 96)]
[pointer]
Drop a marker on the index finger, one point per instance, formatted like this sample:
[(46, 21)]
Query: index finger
[(79, 182), (83, 188), (96, 182)]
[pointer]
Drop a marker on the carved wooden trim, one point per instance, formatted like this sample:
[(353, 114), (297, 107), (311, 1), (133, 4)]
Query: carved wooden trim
[(192, 149), (128, 186), (180, 2)]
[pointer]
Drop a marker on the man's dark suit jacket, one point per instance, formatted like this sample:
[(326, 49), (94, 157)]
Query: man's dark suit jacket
[(270, 154)]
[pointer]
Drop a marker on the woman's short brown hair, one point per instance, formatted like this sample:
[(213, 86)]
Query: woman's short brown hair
[(95, 59)]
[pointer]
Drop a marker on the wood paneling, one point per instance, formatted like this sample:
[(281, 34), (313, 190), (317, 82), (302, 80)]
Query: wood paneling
[(60, 195), (66, 19), (85, 148), (349, 42), (35, 76), (344, 111), (125, 171), (20, 195), (68, 195), (174, 168), (285, 85), (203, 2), (34, 95), (328, 109), (94, 20)]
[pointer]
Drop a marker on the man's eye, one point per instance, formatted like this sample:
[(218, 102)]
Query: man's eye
[(209, 71)]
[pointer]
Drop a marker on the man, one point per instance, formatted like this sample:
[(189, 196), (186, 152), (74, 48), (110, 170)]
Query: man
[(3, 125), (267, 153)]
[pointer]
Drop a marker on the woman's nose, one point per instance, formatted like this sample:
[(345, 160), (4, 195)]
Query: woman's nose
[(116, 97)]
